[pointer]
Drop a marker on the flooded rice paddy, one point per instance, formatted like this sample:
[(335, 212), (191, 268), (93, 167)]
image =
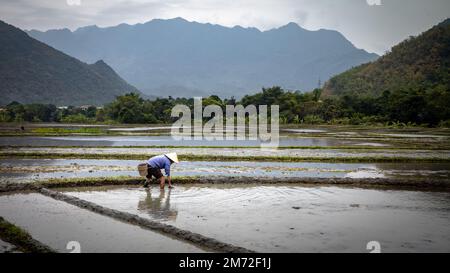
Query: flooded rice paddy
[(22, 170), (55, 223), (159, 135), (263, 218), (114, 141), (295, 218)]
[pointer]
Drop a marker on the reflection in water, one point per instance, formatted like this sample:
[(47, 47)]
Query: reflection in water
[(54, 223), (158, 207), (293, 218), (117, 141)]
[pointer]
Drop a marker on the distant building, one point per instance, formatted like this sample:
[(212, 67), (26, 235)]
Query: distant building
[(82, 107), (85, 107)]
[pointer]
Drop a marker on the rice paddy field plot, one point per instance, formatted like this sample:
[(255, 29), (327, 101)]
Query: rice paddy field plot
[(159, 136), (114, 141), (248, 154), (24, 170), (55, 223), (284, 129), (295, 218), (263, 218)]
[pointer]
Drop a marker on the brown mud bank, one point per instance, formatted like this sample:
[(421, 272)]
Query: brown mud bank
[(8, 187), (376, 183), (234, 154), (388, 183)]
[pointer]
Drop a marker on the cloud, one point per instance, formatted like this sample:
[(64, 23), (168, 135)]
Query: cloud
[(374, 2), (374, 25), (73, 2)]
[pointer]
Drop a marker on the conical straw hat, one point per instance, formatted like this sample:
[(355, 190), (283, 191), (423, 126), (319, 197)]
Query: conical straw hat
[(173, 157)]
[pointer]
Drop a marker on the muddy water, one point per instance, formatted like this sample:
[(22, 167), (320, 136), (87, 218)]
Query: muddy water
[(92, 141), (35, 169), (141, 129), (55, 223), (293, 218), (414, 135)]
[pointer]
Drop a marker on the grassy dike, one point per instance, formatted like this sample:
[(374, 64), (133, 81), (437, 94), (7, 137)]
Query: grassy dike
[(356, 159), (387, 148), (372, 183)]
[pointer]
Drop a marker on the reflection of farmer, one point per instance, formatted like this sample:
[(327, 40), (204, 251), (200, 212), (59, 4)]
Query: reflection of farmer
[(158, 207), (156, 163)]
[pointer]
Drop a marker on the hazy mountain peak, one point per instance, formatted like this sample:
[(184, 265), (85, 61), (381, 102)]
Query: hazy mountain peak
[(179, 19), (100, 63), (87, 28), (181, 58), (175, 20), (292, 25)]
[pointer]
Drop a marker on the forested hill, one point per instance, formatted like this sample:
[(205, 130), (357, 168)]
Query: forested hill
[(420, 64), (32, 72)]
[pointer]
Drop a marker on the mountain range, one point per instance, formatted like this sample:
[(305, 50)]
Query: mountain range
[(33, 72), (181, 58)]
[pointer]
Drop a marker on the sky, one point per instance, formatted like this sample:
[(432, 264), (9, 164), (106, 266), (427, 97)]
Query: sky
[(373, 25)]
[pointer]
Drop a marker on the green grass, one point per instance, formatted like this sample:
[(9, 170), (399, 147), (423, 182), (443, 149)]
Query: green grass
[(356, 159), (90, 181), (415, 147), (106, 181), (81, 130), (429, 185)]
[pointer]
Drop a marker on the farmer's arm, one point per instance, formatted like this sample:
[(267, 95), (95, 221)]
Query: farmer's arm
[(167, 171), (170, 181)]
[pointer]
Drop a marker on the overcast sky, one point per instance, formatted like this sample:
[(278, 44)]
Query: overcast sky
[(374, 25)]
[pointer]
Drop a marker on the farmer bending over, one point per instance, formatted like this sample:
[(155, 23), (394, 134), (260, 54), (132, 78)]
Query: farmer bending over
[(156, 163)]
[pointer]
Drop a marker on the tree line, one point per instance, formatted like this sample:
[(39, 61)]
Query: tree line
[(407, 107)]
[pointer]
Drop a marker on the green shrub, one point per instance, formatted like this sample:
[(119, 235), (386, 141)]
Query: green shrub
[(313, 119), (78, 118)]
